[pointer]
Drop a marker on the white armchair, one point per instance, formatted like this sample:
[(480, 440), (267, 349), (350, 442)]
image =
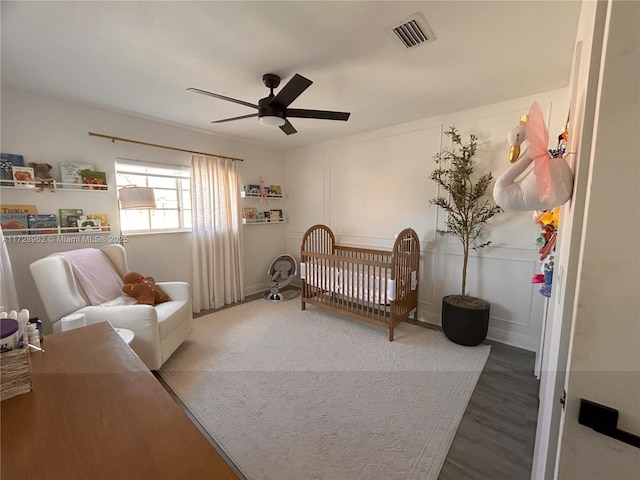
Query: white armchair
[(159, 330)]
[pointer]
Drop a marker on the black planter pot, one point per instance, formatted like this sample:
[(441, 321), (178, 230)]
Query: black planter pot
[(465, 320)]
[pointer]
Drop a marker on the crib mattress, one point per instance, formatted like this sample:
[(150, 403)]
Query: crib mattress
[(370, 284)]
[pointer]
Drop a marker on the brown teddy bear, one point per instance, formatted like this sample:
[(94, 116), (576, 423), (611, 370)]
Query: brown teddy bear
[(144, 289)]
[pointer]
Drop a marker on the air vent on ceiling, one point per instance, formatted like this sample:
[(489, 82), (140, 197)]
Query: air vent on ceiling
[(413, 32)]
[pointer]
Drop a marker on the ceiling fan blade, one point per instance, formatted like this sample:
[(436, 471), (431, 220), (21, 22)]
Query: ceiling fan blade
[(235, 118), (320, 114), (291, 90), (222, 97), (288, 128)]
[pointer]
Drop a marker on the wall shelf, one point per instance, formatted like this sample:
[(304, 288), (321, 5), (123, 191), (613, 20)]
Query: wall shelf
[(261, 221), (27, 194), (34, 232), (264, 216), (270, 196), (66, 187)]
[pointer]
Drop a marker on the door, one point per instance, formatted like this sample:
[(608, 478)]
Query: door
[(604, 358), (584, 76)]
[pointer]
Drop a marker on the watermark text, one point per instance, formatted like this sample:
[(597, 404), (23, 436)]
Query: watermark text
[(51, 239)]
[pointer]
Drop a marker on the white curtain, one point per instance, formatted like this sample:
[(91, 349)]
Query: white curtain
[(8, 294), (217, 233)]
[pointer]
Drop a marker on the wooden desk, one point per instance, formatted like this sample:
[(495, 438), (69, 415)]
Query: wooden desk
[(96, 412)]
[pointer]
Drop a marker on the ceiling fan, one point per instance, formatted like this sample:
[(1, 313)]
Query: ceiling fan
[(273, 110)]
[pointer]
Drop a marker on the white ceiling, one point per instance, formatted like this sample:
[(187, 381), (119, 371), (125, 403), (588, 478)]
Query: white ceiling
[(140, 57)]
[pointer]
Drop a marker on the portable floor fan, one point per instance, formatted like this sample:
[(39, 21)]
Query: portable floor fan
[(274, 109)]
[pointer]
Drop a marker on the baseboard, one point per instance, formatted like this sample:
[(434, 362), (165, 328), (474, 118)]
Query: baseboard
[(507, 338), (253, 289), (514, 340)]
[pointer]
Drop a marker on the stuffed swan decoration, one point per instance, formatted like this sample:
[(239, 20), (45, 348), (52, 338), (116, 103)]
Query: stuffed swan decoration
[(545, 186)]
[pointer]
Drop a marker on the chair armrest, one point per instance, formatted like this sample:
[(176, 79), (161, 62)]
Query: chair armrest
[(135, 316), (176, 290), (142, 320)]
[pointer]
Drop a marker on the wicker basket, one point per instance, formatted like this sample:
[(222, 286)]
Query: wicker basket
[(15, 373)]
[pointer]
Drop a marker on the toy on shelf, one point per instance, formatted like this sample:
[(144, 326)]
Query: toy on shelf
[(42, 176)]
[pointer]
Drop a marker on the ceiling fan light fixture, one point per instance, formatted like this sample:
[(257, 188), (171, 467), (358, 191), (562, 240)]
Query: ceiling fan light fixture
[(272, 120), (273, 110)]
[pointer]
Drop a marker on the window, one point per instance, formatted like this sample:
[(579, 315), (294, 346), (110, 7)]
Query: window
[(171, 186)]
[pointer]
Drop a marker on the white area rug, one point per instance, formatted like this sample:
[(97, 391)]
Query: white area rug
[(293, 395)]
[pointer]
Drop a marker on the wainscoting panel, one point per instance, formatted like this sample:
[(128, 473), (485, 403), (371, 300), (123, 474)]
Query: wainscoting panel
[(502, 277)]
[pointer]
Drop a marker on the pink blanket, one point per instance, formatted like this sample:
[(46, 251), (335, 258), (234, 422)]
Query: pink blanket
[(95, 274)]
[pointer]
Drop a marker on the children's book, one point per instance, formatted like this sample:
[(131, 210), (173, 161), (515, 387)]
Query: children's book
[(93, 180), (275, 215), (43, 223), (15, 217), (23, 176), (88, 224), (14, 221), (17, 208), (252, 189), (72, 224), (69, 219), (249, 213), (7, 162), (102, 218), (70, 173)]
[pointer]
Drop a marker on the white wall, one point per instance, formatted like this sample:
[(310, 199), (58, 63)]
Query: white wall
[(368, 187), (54, 130)]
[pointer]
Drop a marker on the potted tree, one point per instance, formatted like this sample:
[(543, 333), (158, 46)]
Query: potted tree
[(465, 319)]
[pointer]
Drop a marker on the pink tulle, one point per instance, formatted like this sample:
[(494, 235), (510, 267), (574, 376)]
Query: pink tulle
[(538, 144)]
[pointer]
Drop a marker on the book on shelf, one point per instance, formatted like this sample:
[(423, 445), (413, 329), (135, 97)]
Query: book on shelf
[(249, 213), (275, 215), (86, 224), (93, 180), (15, 217), (18, 208), (46, 223), (251, 189), (102, 218), (7, 162), (23, 176), (14, 221), (70, 173), (275, 190), (69, 219), (71, 224)]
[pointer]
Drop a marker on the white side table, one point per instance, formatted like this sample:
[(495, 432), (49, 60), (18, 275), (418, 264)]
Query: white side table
[(125, 334)]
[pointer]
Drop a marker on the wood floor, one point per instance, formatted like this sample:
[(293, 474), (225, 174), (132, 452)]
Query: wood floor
[(496, 436)]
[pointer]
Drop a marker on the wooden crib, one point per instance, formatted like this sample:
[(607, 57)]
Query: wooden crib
[(375, 286)]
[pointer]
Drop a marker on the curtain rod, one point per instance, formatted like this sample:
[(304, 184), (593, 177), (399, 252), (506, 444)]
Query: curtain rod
[(120, 139)]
